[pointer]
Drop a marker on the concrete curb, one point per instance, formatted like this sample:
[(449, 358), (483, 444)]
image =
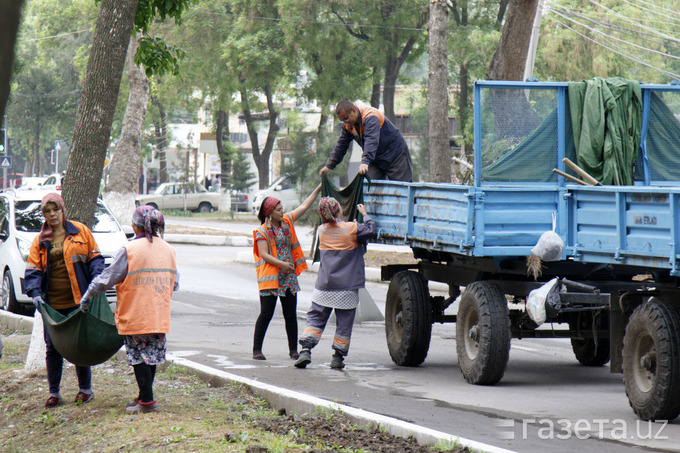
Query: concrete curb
[(301, 403), (209, 239), (296, 402)]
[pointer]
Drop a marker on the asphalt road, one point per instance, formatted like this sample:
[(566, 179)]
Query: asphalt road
[(546, 400)]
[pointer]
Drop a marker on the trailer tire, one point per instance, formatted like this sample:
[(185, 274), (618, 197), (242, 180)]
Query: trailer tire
[(587, 351), (483, 334), (588, 354), (408, 319), (651, 360)]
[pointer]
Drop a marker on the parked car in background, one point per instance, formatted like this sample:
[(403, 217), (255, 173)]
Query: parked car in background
[(20, 222), (240, 201), (182, 196), (52, 183), (281, 188), (32, 183)]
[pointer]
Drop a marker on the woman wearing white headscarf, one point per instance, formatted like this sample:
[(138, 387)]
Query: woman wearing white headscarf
[(145, 275)]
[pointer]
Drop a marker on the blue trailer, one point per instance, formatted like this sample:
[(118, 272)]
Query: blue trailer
[(620, 267)]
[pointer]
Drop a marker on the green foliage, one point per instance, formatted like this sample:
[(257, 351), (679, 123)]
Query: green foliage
[(241, 178), (608, 38), (158, 57)]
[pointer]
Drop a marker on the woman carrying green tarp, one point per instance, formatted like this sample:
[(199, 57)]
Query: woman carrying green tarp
[(63, 260)]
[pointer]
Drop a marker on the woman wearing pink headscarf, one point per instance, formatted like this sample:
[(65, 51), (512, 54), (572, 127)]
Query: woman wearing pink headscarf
[(279, 259), (341, 275), (63, 260)]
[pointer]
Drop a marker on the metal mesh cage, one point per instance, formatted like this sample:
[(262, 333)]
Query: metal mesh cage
[(663, 137), (519, 134)]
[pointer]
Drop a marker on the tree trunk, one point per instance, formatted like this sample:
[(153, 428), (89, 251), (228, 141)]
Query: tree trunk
[(37, 162), (513, 115), (375, 96), (97, 107), (511, 53), (123, 184), (261, 164), (222, 135), (261, 158), (10, 14), (161, 136), (389, 87), (273, 127), (440, 150)]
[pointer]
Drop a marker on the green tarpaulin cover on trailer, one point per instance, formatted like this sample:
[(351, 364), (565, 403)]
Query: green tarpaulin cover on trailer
[(84, 338), (606, 118)]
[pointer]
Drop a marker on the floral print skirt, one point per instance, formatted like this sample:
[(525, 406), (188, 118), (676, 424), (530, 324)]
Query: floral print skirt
[(149, 349)]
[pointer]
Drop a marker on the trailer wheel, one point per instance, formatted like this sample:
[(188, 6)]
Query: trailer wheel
[(483, 334), (588, 354), (651, 361), (408, 319), (587, 351)]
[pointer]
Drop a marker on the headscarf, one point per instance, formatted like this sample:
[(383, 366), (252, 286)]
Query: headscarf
[(46, 232), (151, 220), (329, 208), (269, 205), (266, 209)]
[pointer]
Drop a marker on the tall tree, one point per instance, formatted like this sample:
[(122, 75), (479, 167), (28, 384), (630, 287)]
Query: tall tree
[(97, 106), (392, 32), (440, 150), (10, 13), (511, 53), (116, 21), (257, 55), (121, 189), (513, 115)]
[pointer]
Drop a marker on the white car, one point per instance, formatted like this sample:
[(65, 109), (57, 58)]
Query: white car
[(282, 189), (177, 195), (31, 183), (20, 222), (52, 183)]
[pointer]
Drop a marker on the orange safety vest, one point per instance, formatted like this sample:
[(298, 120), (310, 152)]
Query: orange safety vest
[(268, 274), (145, 294)]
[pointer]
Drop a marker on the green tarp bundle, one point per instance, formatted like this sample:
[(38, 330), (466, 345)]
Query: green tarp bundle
[(84, 338), (606, 119), (349, 198)]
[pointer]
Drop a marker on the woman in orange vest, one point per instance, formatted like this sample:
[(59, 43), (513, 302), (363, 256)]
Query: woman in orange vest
[(279, 259), (145, 275)]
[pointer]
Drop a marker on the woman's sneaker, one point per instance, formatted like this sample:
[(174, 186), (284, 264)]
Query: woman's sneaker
[(304, 359)]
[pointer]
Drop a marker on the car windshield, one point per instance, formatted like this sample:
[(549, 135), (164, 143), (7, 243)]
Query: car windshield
[(29, 218)]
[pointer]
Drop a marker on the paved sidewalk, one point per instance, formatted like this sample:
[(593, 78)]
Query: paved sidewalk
[(295, 402)]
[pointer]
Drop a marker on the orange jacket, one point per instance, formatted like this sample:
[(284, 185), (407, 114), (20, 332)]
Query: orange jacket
[(268, 274), (81, 255), (145, 294)]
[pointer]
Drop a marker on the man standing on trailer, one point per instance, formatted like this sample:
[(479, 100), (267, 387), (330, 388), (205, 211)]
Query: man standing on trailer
[(385, 156)]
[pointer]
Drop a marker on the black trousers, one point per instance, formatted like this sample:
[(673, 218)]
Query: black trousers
[(267, 307)]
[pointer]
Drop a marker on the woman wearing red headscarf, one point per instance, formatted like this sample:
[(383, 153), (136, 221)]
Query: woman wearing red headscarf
[(279, 260), (63, 260)]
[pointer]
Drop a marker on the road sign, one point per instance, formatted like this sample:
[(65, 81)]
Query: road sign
[(6, 162)]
